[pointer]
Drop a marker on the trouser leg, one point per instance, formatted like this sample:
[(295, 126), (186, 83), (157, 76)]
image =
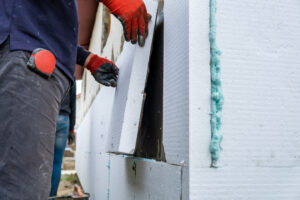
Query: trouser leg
[(61, 137), (29, 106)]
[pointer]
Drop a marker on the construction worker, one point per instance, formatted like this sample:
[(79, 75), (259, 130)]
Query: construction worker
[(64, 132), (38, 52)]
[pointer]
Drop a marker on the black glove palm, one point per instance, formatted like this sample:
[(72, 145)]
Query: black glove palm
[(103, 70), (107, 75)]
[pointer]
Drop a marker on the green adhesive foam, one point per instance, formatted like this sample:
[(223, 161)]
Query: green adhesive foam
[(217, 98)]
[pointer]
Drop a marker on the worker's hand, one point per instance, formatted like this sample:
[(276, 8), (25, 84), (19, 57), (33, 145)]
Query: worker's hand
[(133, 16), (103, 70), (71, 137)]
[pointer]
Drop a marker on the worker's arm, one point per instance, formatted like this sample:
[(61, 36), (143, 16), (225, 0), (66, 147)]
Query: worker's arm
[(103, 70), (133, 16)]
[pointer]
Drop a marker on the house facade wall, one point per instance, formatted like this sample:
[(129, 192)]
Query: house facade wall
[(260, 159)]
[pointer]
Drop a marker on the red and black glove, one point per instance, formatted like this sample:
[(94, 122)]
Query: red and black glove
[(103, 70), (133, 16), (71, 137)]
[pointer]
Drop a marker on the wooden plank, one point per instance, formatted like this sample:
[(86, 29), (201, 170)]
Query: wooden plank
[(129, 96)]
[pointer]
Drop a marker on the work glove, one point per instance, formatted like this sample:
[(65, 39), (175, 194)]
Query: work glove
[(103, 70), (71, 137), (133, 16)]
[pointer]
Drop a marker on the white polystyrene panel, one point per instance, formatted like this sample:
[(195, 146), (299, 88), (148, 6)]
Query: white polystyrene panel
[(176, 87), (129, 97), (176, 81), (104, 175), (260, 74), (199, 97), (247, 183), (91, 159), (143, 179), (113, 177)]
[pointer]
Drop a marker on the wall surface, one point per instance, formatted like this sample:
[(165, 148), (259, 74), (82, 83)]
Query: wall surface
[(260, 74), (110, 176), (176, 87)]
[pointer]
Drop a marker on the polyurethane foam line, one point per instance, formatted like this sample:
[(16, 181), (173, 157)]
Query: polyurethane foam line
[(217, 98)]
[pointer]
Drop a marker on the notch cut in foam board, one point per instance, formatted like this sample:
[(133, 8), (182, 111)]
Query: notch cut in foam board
[(129, 96)]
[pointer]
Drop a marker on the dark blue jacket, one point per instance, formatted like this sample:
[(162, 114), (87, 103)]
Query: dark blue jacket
[(49, 24)]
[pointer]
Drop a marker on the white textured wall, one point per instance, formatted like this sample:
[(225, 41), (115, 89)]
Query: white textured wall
[(176, 87), (109, 176), (116, 177), (199, 97), (260, 43)]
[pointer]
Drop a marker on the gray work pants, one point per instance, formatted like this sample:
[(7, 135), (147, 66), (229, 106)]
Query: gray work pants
[(29, 107)]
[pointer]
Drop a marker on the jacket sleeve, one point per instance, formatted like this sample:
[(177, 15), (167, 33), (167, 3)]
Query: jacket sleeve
[(82, 54), (73, 106)]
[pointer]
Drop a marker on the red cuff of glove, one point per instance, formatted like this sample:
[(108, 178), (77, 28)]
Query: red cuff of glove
[(95, 62)]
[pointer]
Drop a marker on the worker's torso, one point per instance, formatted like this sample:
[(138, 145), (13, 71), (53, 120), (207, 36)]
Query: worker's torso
[(49, 24)]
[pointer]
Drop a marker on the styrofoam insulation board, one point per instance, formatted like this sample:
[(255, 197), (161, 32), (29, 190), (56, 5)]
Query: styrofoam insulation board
[(132, 178), (129, 97), (176, 81), (102, 174), (199, 97), (91, 159), (248, 183), (176, 87), (260, 73), (152, 180), (261, 82)]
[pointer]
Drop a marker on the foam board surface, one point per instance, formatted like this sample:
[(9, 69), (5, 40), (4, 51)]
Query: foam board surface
[(129, 96), (176, 87), (107, 176), (132, 178), (199, 98), (176, 83), (260, 43)]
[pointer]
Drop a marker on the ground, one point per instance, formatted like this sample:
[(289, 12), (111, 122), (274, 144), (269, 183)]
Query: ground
[(69, 177)]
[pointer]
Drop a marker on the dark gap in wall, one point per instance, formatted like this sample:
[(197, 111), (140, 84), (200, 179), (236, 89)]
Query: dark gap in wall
[(149, 142)]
